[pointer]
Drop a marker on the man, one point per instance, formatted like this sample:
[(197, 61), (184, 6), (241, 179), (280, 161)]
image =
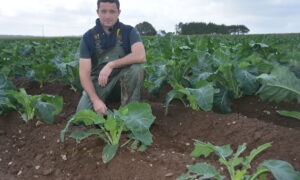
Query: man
[(111, 54)]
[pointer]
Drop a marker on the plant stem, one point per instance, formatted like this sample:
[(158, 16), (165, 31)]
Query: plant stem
[(126, 143), (119, 132), (107, 135), (259, 173)]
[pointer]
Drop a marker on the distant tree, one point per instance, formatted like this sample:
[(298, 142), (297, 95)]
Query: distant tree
[(243, 29), (161, 32), (178, 28), (232, 29), (146, 29), (210, 28)]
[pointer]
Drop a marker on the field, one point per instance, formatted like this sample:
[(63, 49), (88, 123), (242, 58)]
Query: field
[(34, 150)]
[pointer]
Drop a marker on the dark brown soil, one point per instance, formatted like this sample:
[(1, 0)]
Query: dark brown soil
[(31, 151)]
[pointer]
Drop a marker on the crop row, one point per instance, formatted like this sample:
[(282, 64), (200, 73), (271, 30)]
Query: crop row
[(204, 72), (201, 71)]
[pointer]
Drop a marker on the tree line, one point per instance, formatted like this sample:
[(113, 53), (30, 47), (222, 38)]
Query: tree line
[(146, 29)]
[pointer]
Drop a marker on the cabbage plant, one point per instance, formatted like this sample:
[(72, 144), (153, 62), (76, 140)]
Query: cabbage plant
[(134, 117), (238, 167)]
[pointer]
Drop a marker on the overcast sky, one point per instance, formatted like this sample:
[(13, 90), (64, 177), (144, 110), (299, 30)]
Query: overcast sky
[(74, 17)]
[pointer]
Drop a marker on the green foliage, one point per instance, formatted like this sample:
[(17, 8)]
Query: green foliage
[(27, 104), (44, 105), (39, 59), (222, 100), (280, 85), (281, 169), (238, 167), (5, 84), (198, 98), (292, 114), (69, 70), (234, 66), (200, 171), (230, 65), (246, 81), (136, 117), (42, 72)]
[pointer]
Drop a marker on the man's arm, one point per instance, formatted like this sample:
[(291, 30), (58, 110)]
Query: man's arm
[(136, 56), (85, 67)]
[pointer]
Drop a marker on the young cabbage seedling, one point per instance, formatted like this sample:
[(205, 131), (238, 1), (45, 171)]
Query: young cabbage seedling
[(238, 167), (44, 105), (136, 117)]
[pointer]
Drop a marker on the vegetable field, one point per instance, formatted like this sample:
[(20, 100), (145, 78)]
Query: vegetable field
[(214, 107)]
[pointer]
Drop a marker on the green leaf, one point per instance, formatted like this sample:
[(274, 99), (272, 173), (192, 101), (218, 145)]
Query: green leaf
[(226, 78), (115, 128), (134, 145), (200, 171), (221, 57), (236, 161), (184, 177), (240, 174), (5, 83), (142, 148), (173, 94), (7, 102), (202, 148), (79, 135), (46, 111), (206, 170), (259, 58), (281, 170), (57, 101), (65, 130), (247, 81), (280, 85), (240, 150), (138, 120), (204, 96), (222, 100), (27, 103), (293, 114), (110, 124), (124, 111), (205, 149), (42, 72), (156, 77), (223, 151), (73, 75), (109, 151), (198, 76), (255, 152), (88, 117)]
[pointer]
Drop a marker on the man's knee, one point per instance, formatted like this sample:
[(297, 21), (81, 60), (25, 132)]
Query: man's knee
[(136, 70)]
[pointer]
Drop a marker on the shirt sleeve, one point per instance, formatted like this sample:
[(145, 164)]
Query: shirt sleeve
[(84, 51), (134, 37)]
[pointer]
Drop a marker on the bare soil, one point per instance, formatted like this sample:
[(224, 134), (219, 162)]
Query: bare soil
[(33, 151)]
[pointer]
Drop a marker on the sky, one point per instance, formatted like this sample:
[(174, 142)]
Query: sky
[(75, 17)]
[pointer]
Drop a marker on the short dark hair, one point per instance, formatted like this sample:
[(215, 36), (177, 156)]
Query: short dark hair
[(111, 1)]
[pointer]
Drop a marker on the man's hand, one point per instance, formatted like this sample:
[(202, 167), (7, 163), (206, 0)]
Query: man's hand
[(104, 74), (99, 107)]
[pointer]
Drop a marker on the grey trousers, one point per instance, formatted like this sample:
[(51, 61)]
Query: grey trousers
[(130, 79)]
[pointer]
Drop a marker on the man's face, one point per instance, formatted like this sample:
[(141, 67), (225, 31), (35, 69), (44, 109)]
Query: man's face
[(108, 14)]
